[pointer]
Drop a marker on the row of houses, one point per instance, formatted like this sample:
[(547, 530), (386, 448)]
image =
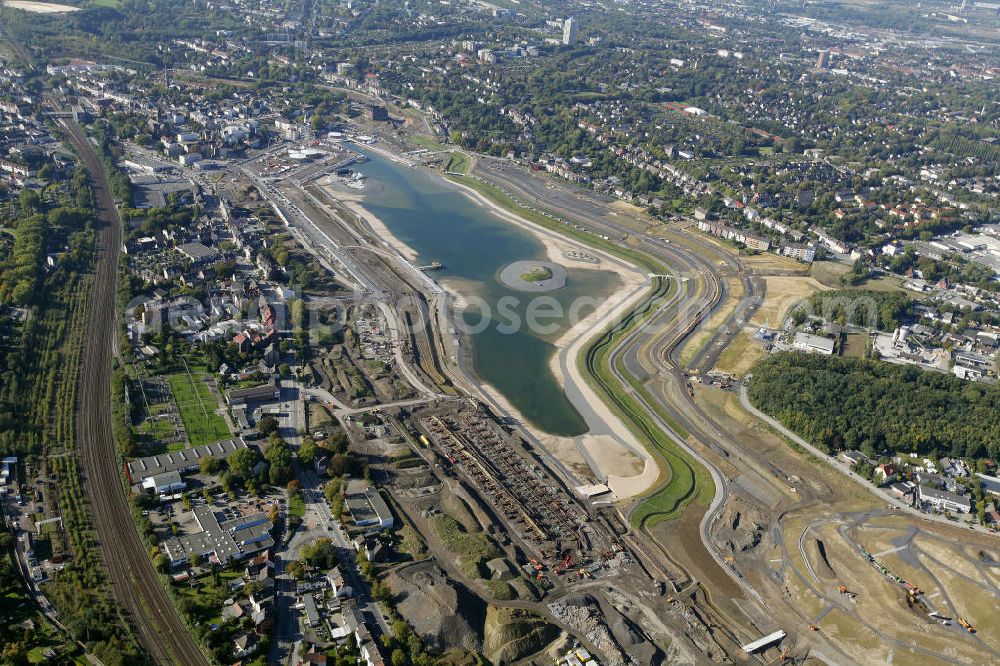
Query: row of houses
[(723, 230), (804, 252), (935, 486)]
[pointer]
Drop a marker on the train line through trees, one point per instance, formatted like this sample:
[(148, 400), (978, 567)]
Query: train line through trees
[(136, 585)]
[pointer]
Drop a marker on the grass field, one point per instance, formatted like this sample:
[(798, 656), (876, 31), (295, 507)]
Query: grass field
[(318, 416), (769, 260), (828, 274), (457, 163), (426, 142), (782, 293), (741, 354), (296, 505), (204, 599), (197, 406), (856, 345)]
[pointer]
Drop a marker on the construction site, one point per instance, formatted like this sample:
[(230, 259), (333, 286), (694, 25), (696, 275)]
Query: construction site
[(492, 514), (483, 511), (553, 527)]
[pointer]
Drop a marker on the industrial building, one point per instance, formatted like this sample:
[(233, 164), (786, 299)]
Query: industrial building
[(943, 500), (569, 32), (814, 343), (218, 541), (765, 642), (367, 508), (182, 462), (8, 473), (262, 393), (165, 484)]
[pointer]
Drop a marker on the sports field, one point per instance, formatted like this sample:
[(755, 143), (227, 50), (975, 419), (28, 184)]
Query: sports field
[(197, 406)]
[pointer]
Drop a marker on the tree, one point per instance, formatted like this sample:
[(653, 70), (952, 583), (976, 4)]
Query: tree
[(29, 201), (321, 553), (210, 465), (267, 426), (337, 442), (294, 569), (161, 563), (279, 458), (307, 451), (242, 461)]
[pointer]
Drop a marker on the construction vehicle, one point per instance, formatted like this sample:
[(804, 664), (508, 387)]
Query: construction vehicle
[(843, 590), (968, 627), (813, 627), (538, 565), (913, 601), (913, 589)]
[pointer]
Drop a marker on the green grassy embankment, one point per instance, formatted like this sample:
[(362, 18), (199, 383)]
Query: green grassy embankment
[(457, 163), (687, 480)]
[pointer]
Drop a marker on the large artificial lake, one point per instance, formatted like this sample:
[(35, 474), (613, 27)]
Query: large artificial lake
[(441, 223)]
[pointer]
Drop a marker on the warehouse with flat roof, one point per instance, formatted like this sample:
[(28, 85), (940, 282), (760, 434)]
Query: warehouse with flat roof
[(183, 461), (220, 542), (367, 508)]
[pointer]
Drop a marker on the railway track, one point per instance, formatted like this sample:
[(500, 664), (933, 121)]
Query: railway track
[(135, 584)]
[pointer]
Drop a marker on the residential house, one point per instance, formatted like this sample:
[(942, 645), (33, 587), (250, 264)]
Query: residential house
[(852, 457), (989, 484), (943, 500), (885, 472), (244, 645)]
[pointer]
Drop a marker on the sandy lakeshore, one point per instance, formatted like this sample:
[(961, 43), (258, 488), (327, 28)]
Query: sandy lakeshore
[(40, 7), (608, 452), (353, 203)]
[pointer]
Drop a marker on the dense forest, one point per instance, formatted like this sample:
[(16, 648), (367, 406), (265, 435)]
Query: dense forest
[(845, 403)]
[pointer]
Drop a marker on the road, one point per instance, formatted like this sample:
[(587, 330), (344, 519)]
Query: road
[(317, 523), (845, 469), (136, 585)]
